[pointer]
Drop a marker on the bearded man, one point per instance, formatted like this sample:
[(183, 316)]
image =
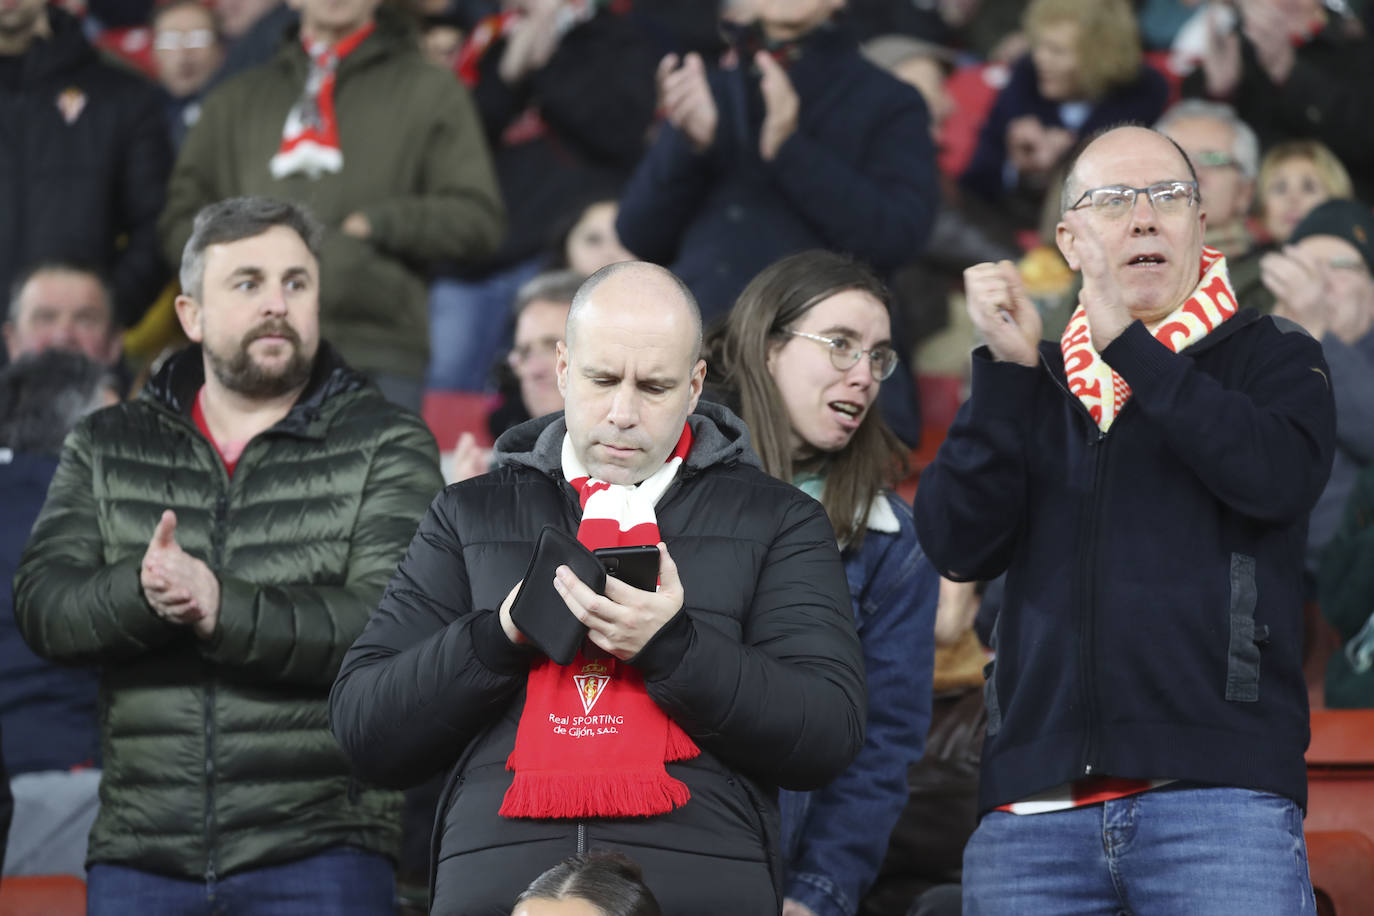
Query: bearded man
[(215, 546)]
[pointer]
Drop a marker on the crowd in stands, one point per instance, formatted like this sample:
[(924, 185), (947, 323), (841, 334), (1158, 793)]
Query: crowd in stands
[(419, 190)]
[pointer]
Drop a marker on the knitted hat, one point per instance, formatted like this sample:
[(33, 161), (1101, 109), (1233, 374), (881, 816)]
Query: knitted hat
[(1348, 220)]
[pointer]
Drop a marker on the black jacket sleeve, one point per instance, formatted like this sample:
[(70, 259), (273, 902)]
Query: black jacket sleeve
[(786, 705), (429, 671)]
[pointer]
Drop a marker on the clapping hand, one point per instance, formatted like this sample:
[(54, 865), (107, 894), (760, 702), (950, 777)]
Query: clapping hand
[(179, 588)]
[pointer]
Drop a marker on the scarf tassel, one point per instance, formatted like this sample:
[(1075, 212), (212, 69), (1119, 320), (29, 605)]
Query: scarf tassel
[(609, 793)]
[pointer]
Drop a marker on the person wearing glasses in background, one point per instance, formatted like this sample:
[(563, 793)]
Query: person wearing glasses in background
[(187, 51), (801, 358), (1144, 482), (1321, 280)]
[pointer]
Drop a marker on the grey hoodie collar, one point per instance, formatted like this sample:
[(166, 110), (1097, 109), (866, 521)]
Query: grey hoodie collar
[(718, 436)]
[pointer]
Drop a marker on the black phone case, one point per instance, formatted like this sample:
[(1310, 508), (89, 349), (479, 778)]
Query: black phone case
[(637, 566), (538, 611)]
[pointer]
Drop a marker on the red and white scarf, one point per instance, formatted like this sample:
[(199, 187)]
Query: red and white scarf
[(1089, 376), (310, 137), (591, 741)]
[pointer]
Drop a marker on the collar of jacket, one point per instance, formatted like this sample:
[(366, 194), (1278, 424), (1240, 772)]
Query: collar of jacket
[(718, 437), (394, 34), (62, 52), (176, 384)]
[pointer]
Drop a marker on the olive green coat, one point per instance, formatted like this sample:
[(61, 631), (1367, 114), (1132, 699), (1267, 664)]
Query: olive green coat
[(218, 754), (415, 163)]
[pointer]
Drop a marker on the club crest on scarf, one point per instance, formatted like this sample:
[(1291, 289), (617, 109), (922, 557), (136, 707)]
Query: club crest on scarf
[(590, 683), (1096, 384)]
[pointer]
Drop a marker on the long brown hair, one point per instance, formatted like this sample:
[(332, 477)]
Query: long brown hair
[(772, 303)]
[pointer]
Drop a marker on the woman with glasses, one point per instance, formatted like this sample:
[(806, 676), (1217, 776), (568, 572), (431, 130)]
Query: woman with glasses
[(801, 358)]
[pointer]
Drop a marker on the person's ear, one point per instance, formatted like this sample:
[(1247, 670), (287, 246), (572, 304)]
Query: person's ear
[(560, 368), (1064, 238), (189, 314), (696, 383)]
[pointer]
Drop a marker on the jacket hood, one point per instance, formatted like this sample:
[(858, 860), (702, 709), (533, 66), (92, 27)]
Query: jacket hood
[(718, 437), (64, 51), (177, 383)]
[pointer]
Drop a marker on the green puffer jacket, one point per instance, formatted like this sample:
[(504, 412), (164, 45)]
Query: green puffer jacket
[(415, 163), (218, 754)]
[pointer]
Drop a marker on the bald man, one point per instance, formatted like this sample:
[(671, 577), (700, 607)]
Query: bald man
[(1144, 483), (686, 707)]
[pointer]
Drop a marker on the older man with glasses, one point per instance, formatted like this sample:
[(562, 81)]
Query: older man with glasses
[(1144, 482)]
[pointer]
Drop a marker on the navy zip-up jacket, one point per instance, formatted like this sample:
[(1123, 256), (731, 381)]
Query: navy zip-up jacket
[(1152, 624)]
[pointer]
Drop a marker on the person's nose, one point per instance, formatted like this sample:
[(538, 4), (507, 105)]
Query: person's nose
[(624, 412), (1144, 219), (273, 301), (860, 375)]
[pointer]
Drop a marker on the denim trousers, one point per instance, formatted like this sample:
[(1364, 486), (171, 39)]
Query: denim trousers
[(1178, 850), (342, 881), (470, 325)]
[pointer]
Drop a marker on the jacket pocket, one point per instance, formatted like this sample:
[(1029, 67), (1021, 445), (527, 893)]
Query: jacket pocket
[(1243, 655)]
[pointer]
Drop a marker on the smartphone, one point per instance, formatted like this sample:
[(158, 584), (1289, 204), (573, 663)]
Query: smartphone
[(637, 566)]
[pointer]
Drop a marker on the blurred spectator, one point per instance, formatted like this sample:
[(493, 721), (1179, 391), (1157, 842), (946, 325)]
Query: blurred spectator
[(441, 40), (591, 241), (802, 144), (529, 382), (1225, 154), (1345, 589), (85, 157), (988, 29), (608, 883), (398, 171), (48, 712), (187, 51), (64, 306), (1293, 178), (801, 358), (251, 30), (214, 546), (1322, 280), (962, 236), (1085, 71), (565, 91), (1295, 69)]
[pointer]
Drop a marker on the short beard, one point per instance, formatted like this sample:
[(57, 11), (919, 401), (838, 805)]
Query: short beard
[(242, 375)]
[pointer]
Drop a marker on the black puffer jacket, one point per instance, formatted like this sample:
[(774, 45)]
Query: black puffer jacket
[(763, 670), (84, 160)]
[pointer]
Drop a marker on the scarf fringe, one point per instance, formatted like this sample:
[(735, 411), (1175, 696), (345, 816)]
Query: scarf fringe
[(680, 744), (606, 793)]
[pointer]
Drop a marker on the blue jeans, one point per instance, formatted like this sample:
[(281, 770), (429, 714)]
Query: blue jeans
[(1180, 849), (470, 324), (343, 881)]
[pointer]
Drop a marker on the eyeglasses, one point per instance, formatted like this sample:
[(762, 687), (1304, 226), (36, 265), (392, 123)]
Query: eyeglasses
[(844, 355), (195, 39), (1215, 159), (1117, 200), (543, 346)]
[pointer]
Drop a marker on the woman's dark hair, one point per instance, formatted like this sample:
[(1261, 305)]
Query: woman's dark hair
[(607, 880), (772, 303)]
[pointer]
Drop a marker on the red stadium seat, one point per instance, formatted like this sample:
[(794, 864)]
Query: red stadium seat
[(42, 895)]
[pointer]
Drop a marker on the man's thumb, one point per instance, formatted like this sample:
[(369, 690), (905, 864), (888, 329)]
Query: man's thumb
[(165, 535)]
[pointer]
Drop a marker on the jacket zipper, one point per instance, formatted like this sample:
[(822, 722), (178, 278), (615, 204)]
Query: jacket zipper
[(1087, 661), (217, 558), (581, 837)]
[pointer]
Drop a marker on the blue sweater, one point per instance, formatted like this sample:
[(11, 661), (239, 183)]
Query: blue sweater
[(858, 176), (1152, 624), (48, 712)]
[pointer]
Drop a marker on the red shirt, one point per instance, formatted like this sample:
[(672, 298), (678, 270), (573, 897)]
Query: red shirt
[(229, 452)]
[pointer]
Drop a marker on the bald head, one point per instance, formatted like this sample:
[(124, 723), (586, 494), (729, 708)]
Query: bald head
[(640, 287), (629, 369), (1112, 139)]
